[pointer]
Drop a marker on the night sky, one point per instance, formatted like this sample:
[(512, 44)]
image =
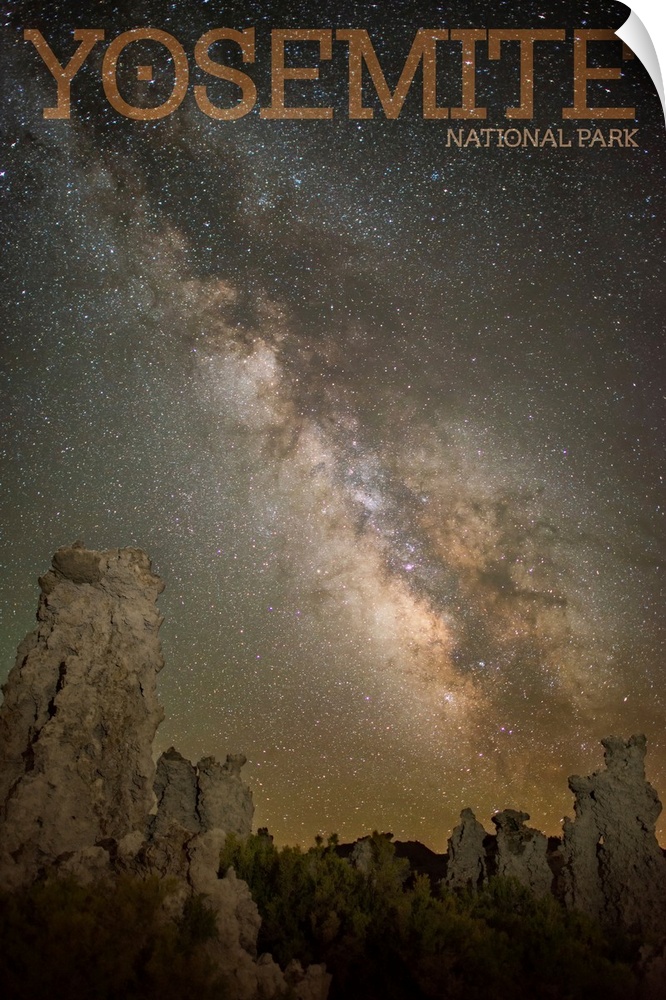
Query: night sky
[(387, 416)]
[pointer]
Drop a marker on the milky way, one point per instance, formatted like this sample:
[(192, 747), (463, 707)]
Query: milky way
[(388, 418)]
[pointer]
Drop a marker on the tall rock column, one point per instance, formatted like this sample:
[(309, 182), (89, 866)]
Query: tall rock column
[(614, 869), (80, 710), (225, 801), (467, 866), (521, 851), (210, 796)]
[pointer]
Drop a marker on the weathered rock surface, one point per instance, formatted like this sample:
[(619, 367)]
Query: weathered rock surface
[(176, 792), (80, 794), (78, 786), (208, 796), (224, 798), (467, 867), (652, 972), (361, 855), (238, 922), (521, 851), (614, 869), (80, 710), (608, 864), (190, 862), (307, 984)]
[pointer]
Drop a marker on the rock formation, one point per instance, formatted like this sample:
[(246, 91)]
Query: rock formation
[(361, 856), (206, 797), (79, 792), (516, 851), (521, 851), (467, 867), (80, 710), (224, 798), (614, 869), (177, 793), (608, 865)]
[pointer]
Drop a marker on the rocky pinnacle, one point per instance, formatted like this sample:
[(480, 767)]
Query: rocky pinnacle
[(80, 710)]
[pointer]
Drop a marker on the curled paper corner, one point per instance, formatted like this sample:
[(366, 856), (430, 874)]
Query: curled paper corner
[(635, 34)]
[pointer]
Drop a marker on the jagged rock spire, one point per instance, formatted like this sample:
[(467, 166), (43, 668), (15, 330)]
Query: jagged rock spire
[(77, 778), (467, 866), (614, 869), (206, 797), (521, 851), (80, 709)]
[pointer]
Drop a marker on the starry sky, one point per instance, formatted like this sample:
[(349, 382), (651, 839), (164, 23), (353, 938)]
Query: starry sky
[(387, 416)]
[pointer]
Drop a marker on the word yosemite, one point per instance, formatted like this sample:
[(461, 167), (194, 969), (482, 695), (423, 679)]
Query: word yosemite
[(361, 53)]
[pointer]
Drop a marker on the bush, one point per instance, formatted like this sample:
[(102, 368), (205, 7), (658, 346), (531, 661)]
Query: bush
[(386, 936), (106, 941)]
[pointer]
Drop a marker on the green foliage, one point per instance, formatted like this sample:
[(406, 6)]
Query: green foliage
[(307, 900), (383, 933), (554, 949), (386, 936), (106, 941), (197, 922)]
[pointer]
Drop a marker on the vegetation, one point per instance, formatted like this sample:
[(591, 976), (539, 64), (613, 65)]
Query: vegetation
[(108, 941), (383, 932), (388, 936)]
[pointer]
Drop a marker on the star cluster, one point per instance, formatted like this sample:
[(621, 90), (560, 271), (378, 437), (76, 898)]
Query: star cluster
[(387, 416)]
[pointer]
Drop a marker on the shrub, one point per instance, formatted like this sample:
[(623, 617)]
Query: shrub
[(386, 936), (106, 941)]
